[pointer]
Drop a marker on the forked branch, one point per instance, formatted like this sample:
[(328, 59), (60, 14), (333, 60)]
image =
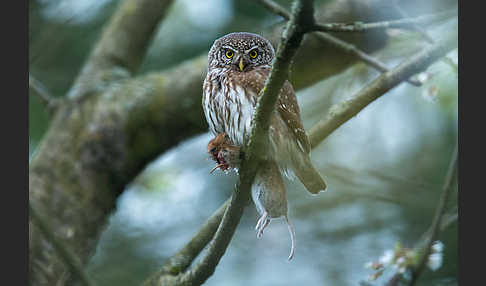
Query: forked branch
[(336, 42), (342, 112)]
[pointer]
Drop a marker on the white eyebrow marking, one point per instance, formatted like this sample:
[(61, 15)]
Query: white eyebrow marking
[(252, 48), (228, 47)]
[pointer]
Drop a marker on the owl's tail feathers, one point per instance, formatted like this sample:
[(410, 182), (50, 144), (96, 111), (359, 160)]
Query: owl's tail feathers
[(308, 175)]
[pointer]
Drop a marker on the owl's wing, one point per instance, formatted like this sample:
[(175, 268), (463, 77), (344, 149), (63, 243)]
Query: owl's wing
[(289, 111)]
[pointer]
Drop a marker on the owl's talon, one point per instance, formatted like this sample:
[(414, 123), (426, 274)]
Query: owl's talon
[(217, 167), (226, 155)]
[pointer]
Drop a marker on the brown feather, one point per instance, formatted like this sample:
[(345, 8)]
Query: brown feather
[(288, 109)]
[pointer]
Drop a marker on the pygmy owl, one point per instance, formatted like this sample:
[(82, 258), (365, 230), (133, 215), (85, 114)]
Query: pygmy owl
[(238, 66)]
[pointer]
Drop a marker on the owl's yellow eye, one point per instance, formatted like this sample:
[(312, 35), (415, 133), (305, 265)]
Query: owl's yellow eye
[(253, 54), (229, 54)]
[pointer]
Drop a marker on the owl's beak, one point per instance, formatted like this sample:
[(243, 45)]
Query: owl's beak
[(241, 64)]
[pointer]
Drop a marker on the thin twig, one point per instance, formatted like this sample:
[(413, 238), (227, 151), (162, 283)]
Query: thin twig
[(342, 112), (336, 42), (276, 8), (426, 237), (448, 219), (66, 255), (422, 32), (180, 261), (47, 99), (414, 26), (401, 23), (448, 61), (352, 49), (437, 221)]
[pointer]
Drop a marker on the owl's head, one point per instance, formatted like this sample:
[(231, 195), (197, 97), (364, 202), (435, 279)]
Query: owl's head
[(241, 52)]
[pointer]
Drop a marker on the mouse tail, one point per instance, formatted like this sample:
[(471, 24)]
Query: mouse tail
[(292, 238)]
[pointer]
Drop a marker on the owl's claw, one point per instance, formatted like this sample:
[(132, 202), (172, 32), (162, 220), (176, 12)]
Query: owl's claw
[(217, 167)]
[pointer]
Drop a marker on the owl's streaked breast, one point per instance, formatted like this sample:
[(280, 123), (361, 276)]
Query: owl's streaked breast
[(229, 101)]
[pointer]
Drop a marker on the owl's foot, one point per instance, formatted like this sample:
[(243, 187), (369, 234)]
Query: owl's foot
[(219, 166), (222, 165), (262, 224)]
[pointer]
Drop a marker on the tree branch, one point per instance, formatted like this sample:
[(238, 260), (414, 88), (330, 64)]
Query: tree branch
[(180, 261), (414, 26), (122, 45), (352, 49), (276, 8), (336, 42), (47, 99), (75, 176), (342, 112), (68, 256), (435, 227), (402, 23), (439, 223)]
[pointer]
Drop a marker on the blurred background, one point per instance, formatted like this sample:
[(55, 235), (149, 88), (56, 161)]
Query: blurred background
[(385, 167)]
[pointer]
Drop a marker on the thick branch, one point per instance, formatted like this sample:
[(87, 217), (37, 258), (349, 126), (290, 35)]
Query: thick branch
[(122, 45), (80, 166), (68, 257), (97, 146), (342, 112)]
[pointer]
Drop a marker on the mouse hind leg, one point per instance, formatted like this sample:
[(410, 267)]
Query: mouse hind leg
[(262, 224)]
